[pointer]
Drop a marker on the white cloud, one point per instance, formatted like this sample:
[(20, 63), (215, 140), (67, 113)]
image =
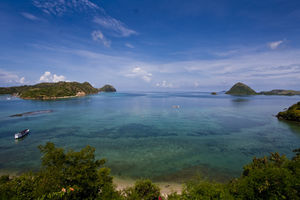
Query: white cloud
[(59, 7), (139, 72), (260, 69), (114, 25), (275, 45), (30, 16), (129, 45), (22, 80), (164, 84), (10, 78), (99, 16), (98, 36), (48, 77)]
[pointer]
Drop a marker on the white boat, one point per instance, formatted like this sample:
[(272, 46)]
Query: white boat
[(21, 134)]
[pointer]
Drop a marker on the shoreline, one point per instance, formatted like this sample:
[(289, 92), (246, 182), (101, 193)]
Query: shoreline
[(166, 188)]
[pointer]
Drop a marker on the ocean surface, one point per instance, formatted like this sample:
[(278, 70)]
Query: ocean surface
[(163, 136)]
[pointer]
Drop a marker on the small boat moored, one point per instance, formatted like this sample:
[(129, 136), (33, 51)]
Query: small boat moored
[(21, 134)]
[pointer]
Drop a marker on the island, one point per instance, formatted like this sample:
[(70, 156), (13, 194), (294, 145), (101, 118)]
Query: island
[(291, 114), (59, 90), (241, 89), (280, 92), (107, 88), (213, 93)]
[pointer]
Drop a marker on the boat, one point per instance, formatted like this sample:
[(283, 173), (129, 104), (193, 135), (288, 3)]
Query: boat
[(21, 134)]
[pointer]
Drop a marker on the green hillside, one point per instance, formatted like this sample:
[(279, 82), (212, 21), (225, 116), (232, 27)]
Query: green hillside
[(51, 90), (241, 89), (291, 114), (107, 88)]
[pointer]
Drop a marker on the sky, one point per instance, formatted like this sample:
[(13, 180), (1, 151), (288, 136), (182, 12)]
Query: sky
[(152, 45)]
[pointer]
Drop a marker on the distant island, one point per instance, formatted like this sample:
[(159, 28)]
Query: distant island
[(46, 91), (291, 114), (243, 89), (107, 88), (281, 92)]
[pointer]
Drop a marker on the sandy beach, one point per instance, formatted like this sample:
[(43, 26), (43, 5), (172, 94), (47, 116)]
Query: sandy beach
[(165, 187)]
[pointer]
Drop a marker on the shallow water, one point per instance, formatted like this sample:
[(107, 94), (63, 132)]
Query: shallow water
[(143, 135)]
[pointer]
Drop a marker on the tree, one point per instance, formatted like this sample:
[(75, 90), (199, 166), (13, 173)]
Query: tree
[(273, 177), (142, 190)]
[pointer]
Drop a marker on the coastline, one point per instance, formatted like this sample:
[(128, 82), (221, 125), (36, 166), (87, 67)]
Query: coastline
[(166, 188)]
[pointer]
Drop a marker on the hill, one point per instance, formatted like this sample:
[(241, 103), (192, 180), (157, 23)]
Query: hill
[(51, 90), (107, 88), (241, 89), (280, 92), (291, 114)]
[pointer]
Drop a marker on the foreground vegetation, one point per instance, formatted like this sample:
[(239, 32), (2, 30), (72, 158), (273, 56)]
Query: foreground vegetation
[(78, 175), (291, 114), (54, 90)]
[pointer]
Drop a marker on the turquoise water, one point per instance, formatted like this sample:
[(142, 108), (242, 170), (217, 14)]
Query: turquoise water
[(143, 135)]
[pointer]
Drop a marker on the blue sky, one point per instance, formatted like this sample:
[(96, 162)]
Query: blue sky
[(152, 44)]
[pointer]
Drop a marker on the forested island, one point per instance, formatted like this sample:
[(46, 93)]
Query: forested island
[(54, 90), (78, 175), (291, 114), (107, 88), (243, 89)]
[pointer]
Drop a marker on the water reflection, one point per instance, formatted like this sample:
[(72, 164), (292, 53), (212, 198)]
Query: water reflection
[(293, 126)]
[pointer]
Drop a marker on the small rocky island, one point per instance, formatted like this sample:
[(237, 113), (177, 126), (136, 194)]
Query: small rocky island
[(107, 88), (45, 91), (291, 114), (241, 89)]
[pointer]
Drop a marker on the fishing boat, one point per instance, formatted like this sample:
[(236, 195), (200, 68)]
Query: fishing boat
[(21, 134)]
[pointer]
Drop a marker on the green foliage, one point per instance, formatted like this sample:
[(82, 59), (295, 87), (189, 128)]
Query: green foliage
[(202, 190), (292, 113), (281, 92), (64, 175), (107, 88), (144, 190), (78, 175), (241, 89), (273, 177), (50, 90)]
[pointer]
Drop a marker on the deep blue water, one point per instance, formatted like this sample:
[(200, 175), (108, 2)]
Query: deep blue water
[(143, 135)]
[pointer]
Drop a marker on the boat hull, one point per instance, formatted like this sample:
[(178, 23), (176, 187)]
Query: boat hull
[(21, 134)]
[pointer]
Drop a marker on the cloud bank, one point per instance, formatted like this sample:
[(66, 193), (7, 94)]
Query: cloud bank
[(140, 73), (48, 77), (10, 78)]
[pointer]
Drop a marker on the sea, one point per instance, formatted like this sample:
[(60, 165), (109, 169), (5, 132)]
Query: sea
[(163, 136)]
